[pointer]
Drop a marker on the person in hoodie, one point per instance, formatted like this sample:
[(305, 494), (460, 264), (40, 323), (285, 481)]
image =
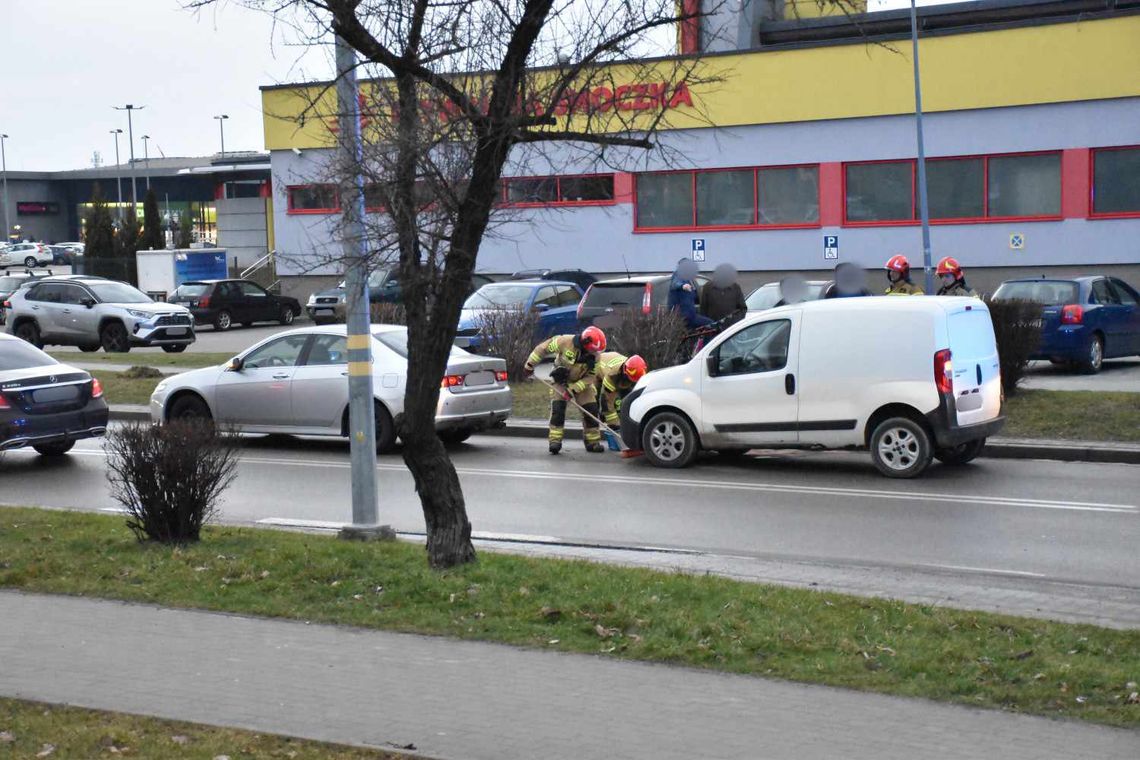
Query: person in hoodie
[(683, 295), (722, 300)]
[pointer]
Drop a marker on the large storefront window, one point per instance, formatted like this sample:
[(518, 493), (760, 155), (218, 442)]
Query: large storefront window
[(789, 196), (1116, 181), (585, 189), (880, 192), (956, 188), (665, 200), (1025, 185), (724, 199)]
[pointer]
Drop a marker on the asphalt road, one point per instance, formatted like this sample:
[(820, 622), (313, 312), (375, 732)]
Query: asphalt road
[(1077, 523), (1115, 375)]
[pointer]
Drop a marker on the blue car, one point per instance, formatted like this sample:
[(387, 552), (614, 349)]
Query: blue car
[(556, 303), (1086, 319)]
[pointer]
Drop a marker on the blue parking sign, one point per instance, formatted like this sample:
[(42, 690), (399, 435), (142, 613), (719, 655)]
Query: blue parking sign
[(831, 246), (698, 249)]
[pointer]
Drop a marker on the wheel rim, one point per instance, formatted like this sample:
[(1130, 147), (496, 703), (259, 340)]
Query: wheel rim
[(287, 316), (224, 320), (667, 441), (1096, 353), (30, 262), (899, 449)]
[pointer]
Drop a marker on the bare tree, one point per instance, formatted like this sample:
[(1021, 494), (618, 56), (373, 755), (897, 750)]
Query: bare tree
[(462, 88)]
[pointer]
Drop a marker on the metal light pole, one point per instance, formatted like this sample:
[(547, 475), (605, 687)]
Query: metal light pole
[(222, 131), (361, 412), (146, 160), (118, 174), (923, 206), (4, 168), (131, 139)]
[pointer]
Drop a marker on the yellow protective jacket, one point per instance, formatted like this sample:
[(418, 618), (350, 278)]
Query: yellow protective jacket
[(565, 352), (611, 382), (904, 288), (958, 289)]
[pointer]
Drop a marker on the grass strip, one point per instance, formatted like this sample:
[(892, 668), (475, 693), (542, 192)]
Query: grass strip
[(974, 658), (145, 357), (120, 388), (1074, 415), (31, 729)]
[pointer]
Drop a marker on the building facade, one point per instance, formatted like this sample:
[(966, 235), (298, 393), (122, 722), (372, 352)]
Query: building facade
[(803, 155)]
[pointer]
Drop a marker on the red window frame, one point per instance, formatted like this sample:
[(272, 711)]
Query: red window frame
[(505, 182), (289, 199), (914, 211), (1093, 213), (754, 225)]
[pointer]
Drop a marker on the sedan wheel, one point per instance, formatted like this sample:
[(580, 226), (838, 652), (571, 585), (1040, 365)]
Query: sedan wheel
[(669, 441), (30, 262), (1094, 359), (286, 316), (223, 320), (901, 448), (189, 407)]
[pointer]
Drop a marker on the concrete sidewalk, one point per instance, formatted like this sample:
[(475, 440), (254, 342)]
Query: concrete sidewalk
[(470, 701)]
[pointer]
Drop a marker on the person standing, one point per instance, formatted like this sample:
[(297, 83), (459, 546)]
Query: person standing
[(721, 297), (953, 279), (575, 361), (683, 295), (616, 376), (898, 277)]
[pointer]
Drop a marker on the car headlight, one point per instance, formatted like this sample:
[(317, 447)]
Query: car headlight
[(161, 386), (312, 299), (138, 314), (342, 297)]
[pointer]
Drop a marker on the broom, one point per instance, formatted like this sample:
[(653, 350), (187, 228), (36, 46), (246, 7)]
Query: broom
[(613, 440)]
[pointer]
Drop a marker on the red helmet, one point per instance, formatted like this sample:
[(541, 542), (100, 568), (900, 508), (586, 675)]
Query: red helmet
[(635, 368), (950, 265), (593, 339), (898, 263)]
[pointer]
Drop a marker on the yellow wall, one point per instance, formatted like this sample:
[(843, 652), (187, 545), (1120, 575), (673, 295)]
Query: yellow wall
[(1051, 63)]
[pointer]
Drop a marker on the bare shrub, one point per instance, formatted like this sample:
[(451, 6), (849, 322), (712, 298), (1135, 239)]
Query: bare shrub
[(509, 334), (386, 313), (169, 478), (1017, 327), (656, 336)]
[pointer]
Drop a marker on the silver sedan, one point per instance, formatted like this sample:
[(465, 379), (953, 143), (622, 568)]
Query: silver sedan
[(296, 382)]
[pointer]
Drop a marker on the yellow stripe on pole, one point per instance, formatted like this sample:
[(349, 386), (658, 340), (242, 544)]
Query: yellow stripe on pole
[(356, 369), (357, 342)]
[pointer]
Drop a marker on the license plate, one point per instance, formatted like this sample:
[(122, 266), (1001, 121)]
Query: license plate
[(322, 311), (59, 393), (176, 330), (479, 378)]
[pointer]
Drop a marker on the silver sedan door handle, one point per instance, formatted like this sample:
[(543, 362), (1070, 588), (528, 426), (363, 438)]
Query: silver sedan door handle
[(281, 377)]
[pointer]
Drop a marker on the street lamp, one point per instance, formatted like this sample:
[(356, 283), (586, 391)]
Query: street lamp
[(4, 167), (222, 131), (118, 173), (923, 206), (146, 159), (131, 139)]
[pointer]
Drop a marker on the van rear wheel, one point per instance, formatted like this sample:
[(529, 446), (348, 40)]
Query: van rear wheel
[(669, 441), (901, 448), (960, 454)]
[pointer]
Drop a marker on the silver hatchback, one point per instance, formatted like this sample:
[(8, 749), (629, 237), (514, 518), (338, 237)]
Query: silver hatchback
[(296, 382)]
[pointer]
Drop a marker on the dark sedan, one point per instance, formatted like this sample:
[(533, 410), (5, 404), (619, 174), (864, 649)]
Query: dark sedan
[(224, 303), (1085, 319), (44, 404)]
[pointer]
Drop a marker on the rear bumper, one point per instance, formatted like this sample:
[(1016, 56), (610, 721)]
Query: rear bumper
[(948, 433), (19, 429), (473, 411)]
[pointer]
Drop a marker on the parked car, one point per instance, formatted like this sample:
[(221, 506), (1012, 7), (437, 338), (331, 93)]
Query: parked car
[(383, 287), (221, 303), (44, 404), (64, 254), (294, 383), (645, 292), (1085, 320), (10, 282), (768, 295), (91, 312), (556, 304), (830, 374), (27, 254), (580, 278)]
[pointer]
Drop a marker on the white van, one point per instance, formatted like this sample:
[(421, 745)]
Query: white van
[(911, 379)]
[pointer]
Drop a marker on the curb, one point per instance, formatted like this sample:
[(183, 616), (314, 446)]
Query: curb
[(1078, 451)]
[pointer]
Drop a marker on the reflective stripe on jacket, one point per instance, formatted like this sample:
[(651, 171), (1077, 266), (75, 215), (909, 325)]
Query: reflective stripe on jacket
[(566, 354)]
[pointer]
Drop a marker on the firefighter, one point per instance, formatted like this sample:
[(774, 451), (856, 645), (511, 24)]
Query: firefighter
[(898, 277), (575, 362), (953, 279), (616, 376)]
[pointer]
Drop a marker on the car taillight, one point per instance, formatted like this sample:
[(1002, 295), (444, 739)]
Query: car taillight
[(943, 371), (1072, 314), (4, 402), (450, 381), (96, 388), (501, 376), (583, 301), (647, 299), (7, 304), (204, 302)]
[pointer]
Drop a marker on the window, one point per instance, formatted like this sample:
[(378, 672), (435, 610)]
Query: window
[(1124, 293), (744, 198), (547, 297), (1047, 292), (762, 347), (1102, 293), (250, 289), (20, 355), (72, 294), (49, 292), (313, 198), (567, 296), (1116, 181), (499, 296), (282, 352), (1022, 186), (546, 191), (328, 349), (118, 292)]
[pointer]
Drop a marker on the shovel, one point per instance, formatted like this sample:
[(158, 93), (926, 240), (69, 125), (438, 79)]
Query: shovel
[(613, 440)]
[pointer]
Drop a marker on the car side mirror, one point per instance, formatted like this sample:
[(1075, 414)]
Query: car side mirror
[(541, 307), (712, 364), (88, 302), (236, 364)]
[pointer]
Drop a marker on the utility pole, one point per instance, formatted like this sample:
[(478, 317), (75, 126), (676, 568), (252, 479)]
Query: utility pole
[(131, 139), (4, 167), (923, 205), (118, 174), (361, 409), (146, 159), (222, 131)]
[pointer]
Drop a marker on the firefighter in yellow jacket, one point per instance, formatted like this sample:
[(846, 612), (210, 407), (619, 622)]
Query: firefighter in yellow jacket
[(616, 376), (898, 277), (575, 361)]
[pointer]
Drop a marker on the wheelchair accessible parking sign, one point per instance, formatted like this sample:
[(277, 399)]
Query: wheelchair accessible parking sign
[(698, 249), (830, 246)]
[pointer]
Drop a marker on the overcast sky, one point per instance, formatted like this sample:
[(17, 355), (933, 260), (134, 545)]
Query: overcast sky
[(65, 63)]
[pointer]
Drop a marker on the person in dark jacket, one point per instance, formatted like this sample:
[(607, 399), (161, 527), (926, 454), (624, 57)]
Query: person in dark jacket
[(849, 282), (721, 297), (683, 295)]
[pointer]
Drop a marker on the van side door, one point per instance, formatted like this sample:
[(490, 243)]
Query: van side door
[(749, 394)]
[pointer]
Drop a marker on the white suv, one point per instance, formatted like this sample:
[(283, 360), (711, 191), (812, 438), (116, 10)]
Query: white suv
[(25, 254), (91, 312)]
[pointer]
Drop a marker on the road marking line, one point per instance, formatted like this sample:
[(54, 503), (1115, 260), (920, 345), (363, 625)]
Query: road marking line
[(986, 570)]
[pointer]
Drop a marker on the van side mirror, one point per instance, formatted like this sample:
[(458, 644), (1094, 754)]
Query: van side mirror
[(236, 364), (712, 364)]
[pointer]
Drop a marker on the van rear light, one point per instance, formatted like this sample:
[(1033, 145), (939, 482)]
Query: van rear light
[(582, 302), (647, 299), (96, 388), (1072, 314), (943, 372), (451, 381), (501, 376)]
